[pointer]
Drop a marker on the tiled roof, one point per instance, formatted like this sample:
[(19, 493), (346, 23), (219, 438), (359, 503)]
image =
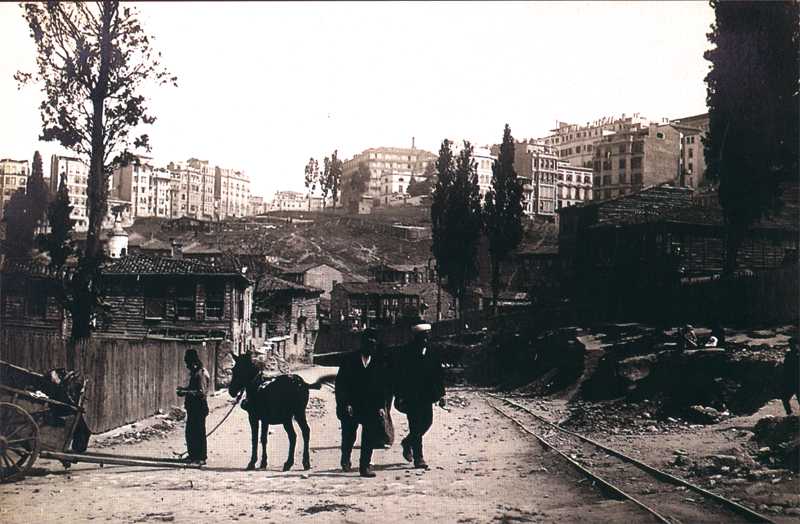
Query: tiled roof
[(645, 206), (271, 284), (155, 265), (378, 288), (154, 244), (198, 248)]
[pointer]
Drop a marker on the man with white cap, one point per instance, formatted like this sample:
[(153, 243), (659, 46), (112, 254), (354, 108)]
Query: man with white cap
[(420, 385)]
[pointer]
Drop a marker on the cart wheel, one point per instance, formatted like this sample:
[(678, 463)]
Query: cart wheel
[(19, 442)]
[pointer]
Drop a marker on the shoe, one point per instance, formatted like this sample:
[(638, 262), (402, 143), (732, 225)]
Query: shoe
[(366, 472), (346, 466), (420, 465), (406, 451)]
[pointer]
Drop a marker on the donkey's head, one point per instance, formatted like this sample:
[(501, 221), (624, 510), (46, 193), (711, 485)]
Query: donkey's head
[(244, 371)]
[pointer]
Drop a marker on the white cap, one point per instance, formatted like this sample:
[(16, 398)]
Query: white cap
[(419, 328)]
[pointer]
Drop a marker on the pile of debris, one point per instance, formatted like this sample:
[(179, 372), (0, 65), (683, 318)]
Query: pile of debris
[(619, 417), (164, 424), (778, 440)]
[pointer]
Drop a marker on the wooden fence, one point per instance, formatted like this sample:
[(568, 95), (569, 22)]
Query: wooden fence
[(127, 380)]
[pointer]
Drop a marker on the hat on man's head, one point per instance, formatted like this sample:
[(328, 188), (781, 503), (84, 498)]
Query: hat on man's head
[(420, 328)]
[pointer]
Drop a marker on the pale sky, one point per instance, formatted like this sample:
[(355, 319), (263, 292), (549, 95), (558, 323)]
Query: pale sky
[(263, 86)]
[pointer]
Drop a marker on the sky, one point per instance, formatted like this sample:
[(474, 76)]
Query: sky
[(264, 86)]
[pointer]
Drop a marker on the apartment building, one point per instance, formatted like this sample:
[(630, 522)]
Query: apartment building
[(692, 155), (256, 206), (573, 185), (391, 169), (575, 143), (536, 165), (77, 173), (484, 159), (208, 204), (147, 189), (13, 175), (232, 192), (638, 157), (187, 195)]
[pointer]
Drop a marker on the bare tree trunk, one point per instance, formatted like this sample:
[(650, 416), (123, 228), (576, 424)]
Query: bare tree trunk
[(86, 278)]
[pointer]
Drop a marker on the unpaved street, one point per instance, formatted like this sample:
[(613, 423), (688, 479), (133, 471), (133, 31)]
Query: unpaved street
[(482, 470)]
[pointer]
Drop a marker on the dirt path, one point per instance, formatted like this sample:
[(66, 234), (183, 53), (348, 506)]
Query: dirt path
[(482, 470)]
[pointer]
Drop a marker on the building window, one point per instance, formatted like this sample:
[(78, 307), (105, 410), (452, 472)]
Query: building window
[(622, 163), (622, 178), (660, 136), (215, 300), (184, 300), (155, 302), (636, 162)]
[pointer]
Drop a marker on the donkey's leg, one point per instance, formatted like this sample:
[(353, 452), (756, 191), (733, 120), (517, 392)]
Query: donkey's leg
[(264, 433), (292, 441), (306, 431), (254, 440)]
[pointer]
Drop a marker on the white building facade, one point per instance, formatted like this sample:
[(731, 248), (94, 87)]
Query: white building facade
[(77, 177)]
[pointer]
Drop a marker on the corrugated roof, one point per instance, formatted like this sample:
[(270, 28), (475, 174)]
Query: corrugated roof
[(198, 248)]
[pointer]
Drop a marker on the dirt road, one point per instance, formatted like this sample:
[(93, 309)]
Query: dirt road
[(482, 470)]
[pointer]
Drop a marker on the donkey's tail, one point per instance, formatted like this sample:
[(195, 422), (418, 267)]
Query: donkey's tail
[(317, 384)]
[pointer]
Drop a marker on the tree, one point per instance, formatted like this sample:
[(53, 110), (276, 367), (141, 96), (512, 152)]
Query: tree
[(423, 185), (59, 242), (356, 187), (752, 142), (325, 181), (25, 210), (92, 62), (311, 178), (502, 210), (335, 174), (456, 220)]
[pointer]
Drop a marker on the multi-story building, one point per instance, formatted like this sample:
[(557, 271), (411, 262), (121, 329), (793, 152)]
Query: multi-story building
[(255, 206), (232, 191), (692, 157), (573, 185), (13, 175), (391, 169), (536, 165), (640, 156), (575, 143), (147, 189), (77, 173), (208, 204), (289, 201), (484, 159), (187, 195)]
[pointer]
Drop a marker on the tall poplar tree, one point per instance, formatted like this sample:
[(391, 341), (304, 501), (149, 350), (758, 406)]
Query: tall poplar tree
[(502, 210), (456, 220), (752, 96), (92, 61)]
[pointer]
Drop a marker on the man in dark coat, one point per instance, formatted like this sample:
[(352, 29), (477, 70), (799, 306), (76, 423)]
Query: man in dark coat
[(420, 385), (791, 376), (196, 407), (360, 399)]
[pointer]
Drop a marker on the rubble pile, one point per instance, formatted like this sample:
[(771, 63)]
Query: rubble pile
[(620, 417), (159, 429), (778, 440)]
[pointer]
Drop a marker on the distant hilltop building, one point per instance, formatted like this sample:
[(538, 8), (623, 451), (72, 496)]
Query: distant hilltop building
[(13, 175), (147, 189), (575, 143), (484, 159), (295, 201), (391, 169)]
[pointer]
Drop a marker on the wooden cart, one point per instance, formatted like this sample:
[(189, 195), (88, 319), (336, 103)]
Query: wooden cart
[(33, 425)]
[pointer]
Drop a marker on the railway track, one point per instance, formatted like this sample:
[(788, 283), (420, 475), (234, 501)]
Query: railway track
[(664, 497)]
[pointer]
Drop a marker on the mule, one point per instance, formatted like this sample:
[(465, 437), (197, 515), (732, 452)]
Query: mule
[(272, 400)]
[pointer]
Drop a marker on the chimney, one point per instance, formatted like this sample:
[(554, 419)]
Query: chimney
[(177, 249), (412, 143)]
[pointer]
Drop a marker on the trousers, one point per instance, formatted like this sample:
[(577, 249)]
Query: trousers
[(349, 430), (196, 413), (420, 419)]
